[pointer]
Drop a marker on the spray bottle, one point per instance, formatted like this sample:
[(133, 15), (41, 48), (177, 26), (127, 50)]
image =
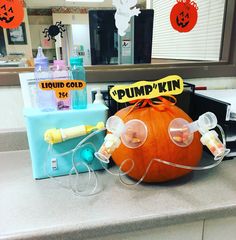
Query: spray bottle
[(45, 99), (60, 72), (77, 72)]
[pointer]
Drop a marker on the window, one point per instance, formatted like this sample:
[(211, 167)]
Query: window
[(203, 42), (214, 68)]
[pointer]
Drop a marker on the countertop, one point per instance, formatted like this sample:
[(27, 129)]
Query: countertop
[(31, 209), (9, 64)]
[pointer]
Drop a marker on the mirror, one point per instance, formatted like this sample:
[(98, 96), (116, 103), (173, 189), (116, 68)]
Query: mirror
[(95, 37)]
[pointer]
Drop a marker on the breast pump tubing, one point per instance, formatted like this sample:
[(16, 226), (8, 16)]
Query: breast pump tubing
[(120, 173), (74, 167), (53, 136), (192, 127)]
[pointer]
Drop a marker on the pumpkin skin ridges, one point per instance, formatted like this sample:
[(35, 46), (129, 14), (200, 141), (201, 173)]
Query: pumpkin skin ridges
[(157, 145)]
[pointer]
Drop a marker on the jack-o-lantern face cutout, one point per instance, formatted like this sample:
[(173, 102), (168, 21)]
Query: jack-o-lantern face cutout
[(11, 13), (182, 19), (7, 14), (184, 15)]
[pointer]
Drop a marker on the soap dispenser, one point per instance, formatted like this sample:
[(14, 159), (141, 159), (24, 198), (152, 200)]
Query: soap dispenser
[(99, 97)]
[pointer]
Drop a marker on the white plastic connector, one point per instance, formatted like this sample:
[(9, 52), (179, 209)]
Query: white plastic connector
[(204, 123)]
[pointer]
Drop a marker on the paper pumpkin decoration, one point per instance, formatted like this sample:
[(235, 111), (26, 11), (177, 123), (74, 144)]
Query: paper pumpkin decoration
[(158, 145), (11, 13), (184, 15)]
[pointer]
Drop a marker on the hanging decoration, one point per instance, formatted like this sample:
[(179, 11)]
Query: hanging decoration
[(125, 9), (11, 13), (53, 31), (183, 16)]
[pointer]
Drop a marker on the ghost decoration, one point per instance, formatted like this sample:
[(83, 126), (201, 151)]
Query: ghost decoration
[(125, 9)]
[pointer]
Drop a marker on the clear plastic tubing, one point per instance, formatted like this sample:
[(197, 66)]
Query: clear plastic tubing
[(61, 72), (77, 72)]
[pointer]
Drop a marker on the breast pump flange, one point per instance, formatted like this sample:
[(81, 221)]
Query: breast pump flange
[(181, 132), (132, 134)]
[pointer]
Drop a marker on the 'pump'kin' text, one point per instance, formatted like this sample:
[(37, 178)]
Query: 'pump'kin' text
[(171, 85)]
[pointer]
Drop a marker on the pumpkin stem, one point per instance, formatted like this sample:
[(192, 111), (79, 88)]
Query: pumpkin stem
[(161, 105)]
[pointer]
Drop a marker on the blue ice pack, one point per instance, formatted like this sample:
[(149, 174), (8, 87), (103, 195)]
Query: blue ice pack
[(48, 162)]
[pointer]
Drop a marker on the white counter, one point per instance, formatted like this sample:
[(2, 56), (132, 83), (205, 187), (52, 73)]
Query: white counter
[(31, 209)]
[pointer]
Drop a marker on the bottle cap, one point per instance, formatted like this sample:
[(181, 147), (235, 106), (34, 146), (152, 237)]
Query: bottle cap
[(59, 63), (76, 61)]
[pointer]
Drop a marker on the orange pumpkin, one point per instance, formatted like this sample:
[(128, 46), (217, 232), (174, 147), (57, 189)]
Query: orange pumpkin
[(158, 145)]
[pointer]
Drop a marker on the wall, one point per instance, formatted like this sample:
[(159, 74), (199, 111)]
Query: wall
[(2, 43), (37, 24), (11, 101), (80, 34), (70, 18), (25, 49)]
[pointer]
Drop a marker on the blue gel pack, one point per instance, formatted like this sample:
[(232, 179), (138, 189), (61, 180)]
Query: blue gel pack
[(45, 162)]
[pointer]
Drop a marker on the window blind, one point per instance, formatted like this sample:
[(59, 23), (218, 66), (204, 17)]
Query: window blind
[(203, 42)]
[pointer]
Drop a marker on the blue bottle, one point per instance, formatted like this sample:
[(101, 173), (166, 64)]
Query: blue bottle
[(77, 72), (45, 100)]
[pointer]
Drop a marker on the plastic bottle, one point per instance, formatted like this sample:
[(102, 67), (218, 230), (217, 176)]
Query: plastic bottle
[(45, 99), (60, 72), (77, 72)]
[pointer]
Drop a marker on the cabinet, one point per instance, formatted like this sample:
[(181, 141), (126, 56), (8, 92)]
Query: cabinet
[(212, 229), (218, 229), (185, 231)]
